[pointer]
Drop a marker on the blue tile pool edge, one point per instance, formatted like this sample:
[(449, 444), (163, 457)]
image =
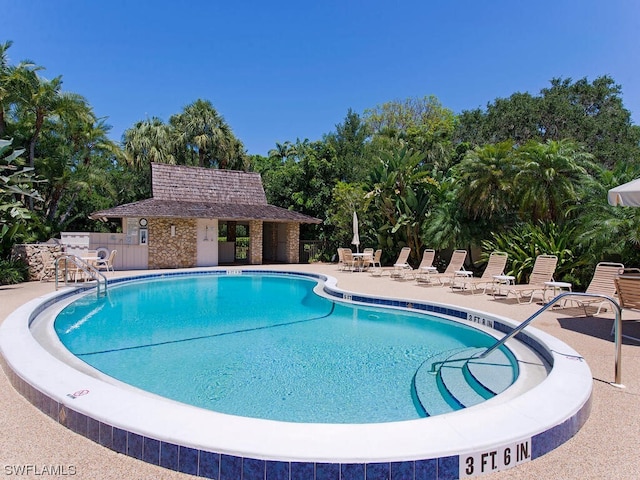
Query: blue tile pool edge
[(209, 464)]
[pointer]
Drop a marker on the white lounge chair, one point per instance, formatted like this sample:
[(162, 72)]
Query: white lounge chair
[(426, 269), (455, 266), (543, 270), (602, 283), (495, 267), (401, 265)]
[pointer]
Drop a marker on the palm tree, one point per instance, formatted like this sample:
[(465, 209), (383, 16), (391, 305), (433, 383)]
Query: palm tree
[(148, 141), (202, 132), (283, 151), (11, 83), (6, 72), (401, 189), (78, 165), (483, 180), (547, 177), (39, 98)]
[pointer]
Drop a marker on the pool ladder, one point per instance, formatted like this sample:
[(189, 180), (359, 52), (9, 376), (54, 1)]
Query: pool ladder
[(617, 332), (79, 265)]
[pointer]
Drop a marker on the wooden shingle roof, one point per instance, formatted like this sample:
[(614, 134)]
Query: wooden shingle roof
[(194, 184), (193, 192)]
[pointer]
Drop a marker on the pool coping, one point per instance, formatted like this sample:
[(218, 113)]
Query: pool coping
[(193, 440)]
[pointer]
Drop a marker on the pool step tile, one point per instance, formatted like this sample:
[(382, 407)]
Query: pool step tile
[(484, 372)]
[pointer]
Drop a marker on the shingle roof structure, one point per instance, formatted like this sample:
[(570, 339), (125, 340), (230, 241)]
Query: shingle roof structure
[(194, 192), (208, 185)]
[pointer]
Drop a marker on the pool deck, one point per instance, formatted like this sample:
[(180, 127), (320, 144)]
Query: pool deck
[(606, 447)]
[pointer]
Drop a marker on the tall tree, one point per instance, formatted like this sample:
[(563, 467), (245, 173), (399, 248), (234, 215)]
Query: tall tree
[(350, 144), (203, 138), (484, 180), (401, 188), (146, 142), (588, 113), (6, 72), (592, 114), (547, 177)]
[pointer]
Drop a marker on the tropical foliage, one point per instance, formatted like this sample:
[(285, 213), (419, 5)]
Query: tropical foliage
[(527, 175), (16, 185)]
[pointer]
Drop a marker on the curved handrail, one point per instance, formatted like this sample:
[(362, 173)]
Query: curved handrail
[(523, 325), (86, 267)]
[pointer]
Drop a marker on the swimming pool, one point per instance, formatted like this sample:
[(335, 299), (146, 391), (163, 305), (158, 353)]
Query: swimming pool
[(267, 346), (517, 426)]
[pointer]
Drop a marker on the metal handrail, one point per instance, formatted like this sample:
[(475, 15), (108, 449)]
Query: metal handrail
[(85, 267), (523, 325)]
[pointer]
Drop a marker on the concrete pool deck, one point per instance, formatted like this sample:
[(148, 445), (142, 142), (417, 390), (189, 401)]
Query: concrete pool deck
[(606, 447)]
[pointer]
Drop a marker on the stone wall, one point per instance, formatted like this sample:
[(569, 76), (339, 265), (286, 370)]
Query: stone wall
[(293, 243), (166, 251), (255, 245), (36, 255)]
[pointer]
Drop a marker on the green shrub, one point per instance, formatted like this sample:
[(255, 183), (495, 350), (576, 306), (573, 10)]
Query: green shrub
[(13, 271), (525, 242)]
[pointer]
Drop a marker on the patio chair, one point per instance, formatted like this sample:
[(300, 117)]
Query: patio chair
[(366, 258), (543, 270), (376, 263), (601, 283), (376, 259), (341, 265), (401, 265), (348, 259), (106, 263), (495, 267), (628, 288), (455, 266), (426, 269)]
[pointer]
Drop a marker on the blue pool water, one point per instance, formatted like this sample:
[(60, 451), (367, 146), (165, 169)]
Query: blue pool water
[(262, 346)]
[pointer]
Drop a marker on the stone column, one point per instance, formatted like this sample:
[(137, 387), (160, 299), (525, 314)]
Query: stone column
[(255, 242), (293, 243)]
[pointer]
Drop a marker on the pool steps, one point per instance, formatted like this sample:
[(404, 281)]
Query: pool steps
[(460, 384)]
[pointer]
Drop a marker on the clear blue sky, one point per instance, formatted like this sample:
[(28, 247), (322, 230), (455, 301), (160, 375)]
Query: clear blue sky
[(282, 70)]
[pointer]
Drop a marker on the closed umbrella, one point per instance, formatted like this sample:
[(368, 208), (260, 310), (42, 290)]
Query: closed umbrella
[(356, 237), (626, 195)]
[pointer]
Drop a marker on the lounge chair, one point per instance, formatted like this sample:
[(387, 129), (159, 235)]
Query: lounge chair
[(106, 263), (455, 266), (543, 270), (601, 283), (628, 288), (495, 267), (426, 269), (401, 265)]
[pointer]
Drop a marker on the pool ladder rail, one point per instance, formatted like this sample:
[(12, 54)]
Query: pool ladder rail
[(617, 327), (65, 261)]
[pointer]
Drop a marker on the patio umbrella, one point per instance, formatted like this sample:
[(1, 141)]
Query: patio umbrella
[(356, 237), (626, 195)]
